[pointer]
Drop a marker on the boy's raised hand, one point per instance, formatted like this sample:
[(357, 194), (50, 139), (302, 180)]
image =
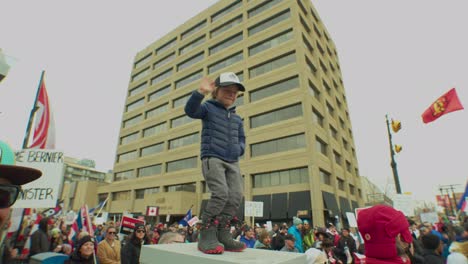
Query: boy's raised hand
[(206, 86)]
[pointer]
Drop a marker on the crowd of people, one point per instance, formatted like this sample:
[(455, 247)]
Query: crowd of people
[(413, 242)]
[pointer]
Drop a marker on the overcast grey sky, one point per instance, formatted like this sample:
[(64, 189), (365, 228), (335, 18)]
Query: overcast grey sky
[(396, 58)]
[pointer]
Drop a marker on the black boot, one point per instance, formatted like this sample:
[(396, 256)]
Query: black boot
[(208, 242), (225, 236)]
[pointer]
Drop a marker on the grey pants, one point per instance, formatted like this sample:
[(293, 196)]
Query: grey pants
[(225, 183)]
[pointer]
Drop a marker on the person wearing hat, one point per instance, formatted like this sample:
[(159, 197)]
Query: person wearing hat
[(346, 246), (11, 179), (321, 234), (384, 229), (296, 230), (222, 143), (130, 253), (308, 235), (84, 252)]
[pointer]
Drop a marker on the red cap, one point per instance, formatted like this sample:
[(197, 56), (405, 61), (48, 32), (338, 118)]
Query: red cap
[(379, 226)]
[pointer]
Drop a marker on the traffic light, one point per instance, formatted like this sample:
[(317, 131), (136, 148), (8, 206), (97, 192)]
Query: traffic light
[(396, 125), (398, 148)]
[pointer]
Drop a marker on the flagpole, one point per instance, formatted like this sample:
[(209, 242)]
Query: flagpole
[(31, 116), (393, 163), (104, 204)]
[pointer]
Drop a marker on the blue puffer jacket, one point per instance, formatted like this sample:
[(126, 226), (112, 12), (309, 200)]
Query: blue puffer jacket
[(223, 131)]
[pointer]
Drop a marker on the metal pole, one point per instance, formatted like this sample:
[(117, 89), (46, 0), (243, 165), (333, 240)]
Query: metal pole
[(445, 205), (392, 156)]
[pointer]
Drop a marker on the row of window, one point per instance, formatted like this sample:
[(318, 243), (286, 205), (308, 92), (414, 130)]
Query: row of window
[(199, 26), (141, 193)]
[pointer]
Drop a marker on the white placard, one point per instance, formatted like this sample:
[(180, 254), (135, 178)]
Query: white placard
[(70, 218), (404, 203), (43, 192), (430, 217), (269, 225), (351, 219), (253, 209), (193, 221)]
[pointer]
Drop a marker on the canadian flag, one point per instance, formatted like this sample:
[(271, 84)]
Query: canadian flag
[(152, 211)]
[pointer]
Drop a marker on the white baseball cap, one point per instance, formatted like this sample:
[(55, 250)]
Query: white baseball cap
[(229, 78)]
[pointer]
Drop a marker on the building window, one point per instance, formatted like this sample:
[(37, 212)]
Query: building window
[(197, 42), (226, 43), (188, 79), (161, 77), (360, 193), (149, 170), (140, 88), (301, 6), (140, 194), (278, 145), (225, 62), (218, 15), (327, 87), (166, 46), (132, 121), (348, 166), (271, 42), (337, 156), (181, 120), (325, 177), (164, 61), (136, 104), (142, 61), (357, 172), (189, 187), (154, 130), (274, 88), (333, 132), (153, 149), (270, 22), (342, 124), (228, 25), (307, 44), (330, 109), (142, 74), (128, 156), (341, 184), (193, 30), (155, 95), (272, 65), (181, 100), (129, 138), (181, 164), (319, 47), (317, 31), (281, 178), (311, 66), (121, 196), (158, 110), (314, 91), (191, 61), (304, 24), (345, 144), (124, 175), (317, 117), (184, 141), (352, 189), (262, 7), (321, 146), (276, 115)]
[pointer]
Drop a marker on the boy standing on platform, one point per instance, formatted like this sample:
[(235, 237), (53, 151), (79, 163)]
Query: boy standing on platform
[(222, 143)]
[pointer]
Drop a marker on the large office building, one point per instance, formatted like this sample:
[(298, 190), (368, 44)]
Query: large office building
[(300, 154)]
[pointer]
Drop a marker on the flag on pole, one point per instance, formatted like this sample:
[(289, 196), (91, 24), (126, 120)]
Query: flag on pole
[(187, 218), (44, 127), (463, 203), (445, 104), (98, 207)]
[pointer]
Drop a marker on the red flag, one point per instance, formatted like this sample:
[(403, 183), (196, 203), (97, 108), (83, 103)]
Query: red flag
[(44, 129), (447, 103)]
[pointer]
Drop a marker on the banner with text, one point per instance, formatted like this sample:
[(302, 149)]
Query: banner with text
[(43, 192), (128, 224), (253, 209)]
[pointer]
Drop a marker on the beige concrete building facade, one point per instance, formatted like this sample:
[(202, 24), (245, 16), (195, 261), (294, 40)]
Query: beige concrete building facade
[(300, 153)]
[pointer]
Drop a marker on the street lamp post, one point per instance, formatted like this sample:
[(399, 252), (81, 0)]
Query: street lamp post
[(392, 153)]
